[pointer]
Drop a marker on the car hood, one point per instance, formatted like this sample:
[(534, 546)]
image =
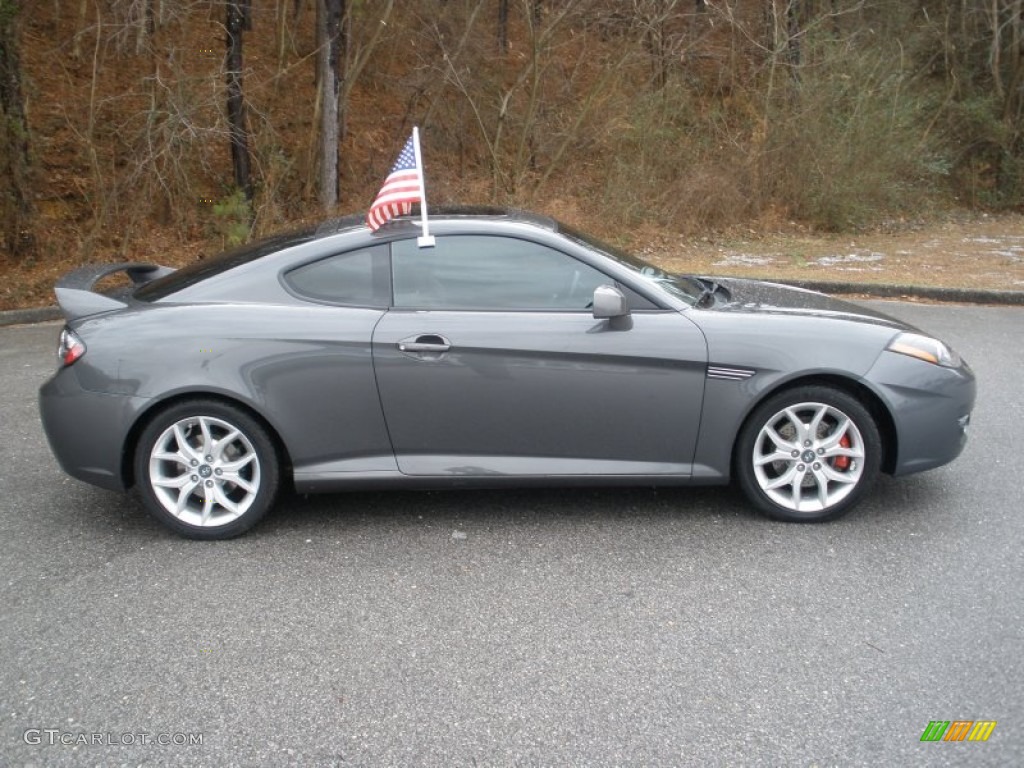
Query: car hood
[(755, 296)]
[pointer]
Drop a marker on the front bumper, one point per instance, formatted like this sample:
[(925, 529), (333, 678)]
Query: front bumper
[(87, 430), (931, 408)]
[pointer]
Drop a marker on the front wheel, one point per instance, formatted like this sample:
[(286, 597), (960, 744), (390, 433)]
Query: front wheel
[(808, 454), (206, 469)]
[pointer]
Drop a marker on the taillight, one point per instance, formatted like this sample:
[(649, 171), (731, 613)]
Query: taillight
[(70, 348)]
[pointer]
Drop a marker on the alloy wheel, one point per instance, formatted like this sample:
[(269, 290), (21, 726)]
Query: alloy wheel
[(204, 471), (808, 457)]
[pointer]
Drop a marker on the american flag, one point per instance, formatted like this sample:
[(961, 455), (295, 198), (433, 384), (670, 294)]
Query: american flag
[(401, 189)]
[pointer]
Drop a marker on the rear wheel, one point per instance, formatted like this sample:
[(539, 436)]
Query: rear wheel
[(808, 454), (206, 469)]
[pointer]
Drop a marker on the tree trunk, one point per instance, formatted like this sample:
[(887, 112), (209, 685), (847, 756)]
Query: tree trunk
[(330, 43), (238, 20), (15, 198), (83, 11), (502, 26), (281, 37), (1015, 64), (793, 19), (654, 41), (145, 26)]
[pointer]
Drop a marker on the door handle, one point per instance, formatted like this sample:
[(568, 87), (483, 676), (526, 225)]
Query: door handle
[(428, 342)]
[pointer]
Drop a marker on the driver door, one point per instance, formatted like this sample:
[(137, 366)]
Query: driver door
[(491, 363)]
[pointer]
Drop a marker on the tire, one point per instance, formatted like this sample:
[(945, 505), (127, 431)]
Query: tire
[(206, 469), (808, 454)]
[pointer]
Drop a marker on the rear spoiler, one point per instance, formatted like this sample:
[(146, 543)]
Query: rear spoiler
[(75, 294)]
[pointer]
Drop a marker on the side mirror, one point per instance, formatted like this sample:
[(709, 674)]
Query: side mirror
[(609, 301)]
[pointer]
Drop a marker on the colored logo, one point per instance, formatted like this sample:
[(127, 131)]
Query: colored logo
[(958, 730)]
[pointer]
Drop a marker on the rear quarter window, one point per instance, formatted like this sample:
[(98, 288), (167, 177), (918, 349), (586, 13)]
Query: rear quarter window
[(359, 278)]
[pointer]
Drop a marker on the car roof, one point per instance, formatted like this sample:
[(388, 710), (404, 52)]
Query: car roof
[(442, 213)]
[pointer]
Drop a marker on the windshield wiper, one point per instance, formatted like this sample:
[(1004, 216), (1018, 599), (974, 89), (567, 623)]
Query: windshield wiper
[(708, 289)]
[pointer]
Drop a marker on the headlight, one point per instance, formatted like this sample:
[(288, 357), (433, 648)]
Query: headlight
[(925, 348)]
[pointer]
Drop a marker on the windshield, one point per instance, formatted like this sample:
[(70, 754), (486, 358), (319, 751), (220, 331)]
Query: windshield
[(689, 289), (198, 271)]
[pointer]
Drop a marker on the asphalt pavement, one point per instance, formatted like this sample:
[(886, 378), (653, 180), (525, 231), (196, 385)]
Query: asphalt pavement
[(555, 627)]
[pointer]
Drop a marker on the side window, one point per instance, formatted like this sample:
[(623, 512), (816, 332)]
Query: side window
[(355, 278), (499, 273)]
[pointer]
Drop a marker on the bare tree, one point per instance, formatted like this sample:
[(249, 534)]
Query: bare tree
[(536, 101), (134, 23), (15, 198), (238, 20), (502, 26), (655, 18), (331, 44), (341, 60)]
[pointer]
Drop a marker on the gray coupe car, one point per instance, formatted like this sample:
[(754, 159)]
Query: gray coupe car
[(515, 351)]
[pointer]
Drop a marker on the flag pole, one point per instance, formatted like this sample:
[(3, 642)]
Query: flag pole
[(426, 240)]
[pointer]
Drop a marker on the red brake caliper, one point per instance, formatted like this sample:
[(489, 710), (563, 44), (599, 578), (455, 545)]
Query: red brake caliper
[(842, 462)]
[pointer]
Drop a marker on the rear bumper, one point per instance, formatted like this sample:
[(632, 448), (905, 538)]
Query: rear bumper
[(931, 408), (87, 430)]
